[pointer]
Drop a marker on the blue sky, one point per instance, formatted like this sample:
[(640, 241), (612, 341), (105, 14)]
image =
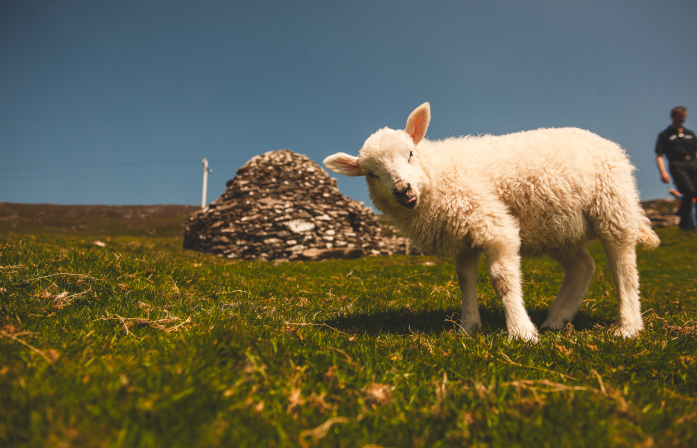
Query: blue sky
[(117, 102)]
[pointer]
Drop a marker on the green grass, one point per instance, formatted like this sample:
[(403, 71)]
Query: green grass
[(335, 353)]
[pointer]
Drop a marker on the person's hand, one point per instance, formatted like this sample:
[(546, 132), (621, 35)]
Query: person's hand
[(665, 177)]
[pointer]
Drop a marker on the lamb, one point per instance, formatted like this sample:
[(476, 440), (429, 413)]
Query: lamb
[(542, 192)]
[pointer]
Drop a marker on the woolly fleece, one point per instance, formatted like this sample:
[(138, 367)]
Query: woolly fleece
[(547, 191)]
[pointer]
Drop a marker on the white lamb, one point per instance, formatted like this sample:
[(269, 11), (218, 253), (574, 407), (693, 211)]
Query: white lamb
[(549, 191)]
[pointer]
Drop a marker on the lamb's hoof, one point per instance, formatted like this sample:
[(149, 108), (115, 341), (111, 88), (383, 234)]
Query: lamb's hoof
[(628, 331), (554, 325), (529, 335), (470, 327)]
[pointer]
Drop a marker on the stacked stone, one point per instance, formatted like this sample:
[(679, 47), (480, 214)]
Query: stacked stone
[(397, 244), (283, 206), (661, 212)]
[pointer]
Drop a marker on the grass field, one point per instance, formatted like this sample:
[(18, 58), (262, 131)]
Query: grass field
[(140, 344)]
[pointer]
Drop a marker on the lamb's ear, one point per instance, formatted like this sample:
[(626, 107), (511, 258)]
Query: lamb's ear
[(342, 163), (417, 123)]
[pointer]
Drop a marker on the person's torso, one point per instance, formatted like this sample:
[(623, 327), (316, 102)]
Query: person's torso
[(677, 145)]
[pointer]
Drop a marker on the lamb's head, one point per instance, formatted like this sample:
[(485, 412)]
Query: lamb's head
[(389, 159)]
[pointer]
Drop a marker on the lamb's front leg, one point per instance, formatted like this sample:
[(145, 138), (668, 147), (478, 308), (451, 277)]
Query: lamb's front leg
[(506, 278), (466, 267)]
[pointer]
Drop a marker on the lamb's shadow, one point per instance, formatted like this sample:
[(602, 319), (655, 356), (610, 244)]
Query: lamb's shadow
[(583, 321), (406, 321)]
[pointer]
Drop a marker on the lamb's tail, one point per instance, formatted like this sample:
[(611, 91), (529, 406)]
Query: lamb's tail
[(647, 237)]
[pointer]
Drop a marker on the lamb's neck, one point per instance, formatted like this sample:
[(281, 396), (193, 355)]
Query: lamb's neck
[(415, 225)]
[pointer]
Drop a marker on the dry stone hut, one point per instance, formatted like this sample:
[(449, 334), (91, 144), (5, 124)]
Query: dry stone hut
[(283, 206), (661, 212)]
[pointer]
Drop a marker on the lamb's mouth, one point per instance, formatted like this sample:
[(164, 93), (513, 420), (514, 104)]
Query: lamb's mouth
[(406, 202)]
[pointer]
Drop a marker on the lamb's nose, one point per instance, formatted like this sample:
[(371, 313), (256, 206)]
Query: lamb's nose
[(402, 190), (405, 195)]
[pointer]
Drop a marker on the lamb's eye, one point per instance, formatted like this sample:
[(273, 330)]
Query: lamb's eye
[(372, 175), (411, 154)]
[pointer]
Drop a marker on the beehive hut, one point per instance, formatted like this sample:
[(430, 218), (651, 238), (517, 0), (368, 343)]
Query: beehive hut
[(283, 206), (662, 212)]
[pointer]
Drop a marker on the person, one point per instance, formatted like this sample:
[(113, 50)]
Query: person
[(679, 146)]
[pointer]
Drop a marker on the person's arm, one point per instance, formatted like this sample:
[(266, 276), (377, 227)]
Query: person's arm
[(660, 161)]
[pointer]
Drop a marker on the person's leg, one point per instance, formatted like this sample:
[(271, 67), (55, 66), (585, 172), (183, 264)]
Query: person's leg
[(693, 178), (683, 174)]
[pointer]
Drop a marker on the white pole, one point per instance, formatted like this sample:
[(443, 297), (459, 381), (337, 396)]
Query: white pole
[(206, 170)]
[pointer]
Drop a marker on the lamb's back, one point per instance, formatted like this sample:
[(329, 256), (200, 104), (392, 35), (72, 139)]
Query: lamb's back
[(546, 178)]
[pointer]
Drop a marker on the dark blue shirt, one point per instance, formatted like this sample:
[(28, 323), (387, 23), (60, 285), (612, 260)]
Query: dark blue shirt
[(675, 145)]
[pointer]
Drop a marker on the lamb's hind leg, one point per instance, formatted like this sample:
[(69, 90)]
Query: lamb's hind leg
[(578, 273), (621, 257), (466, 267)]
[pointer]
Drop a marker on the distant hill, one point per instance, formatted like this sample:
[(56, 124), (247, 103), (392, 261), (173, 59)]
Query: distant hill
[(169, 220), (137, 220)]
